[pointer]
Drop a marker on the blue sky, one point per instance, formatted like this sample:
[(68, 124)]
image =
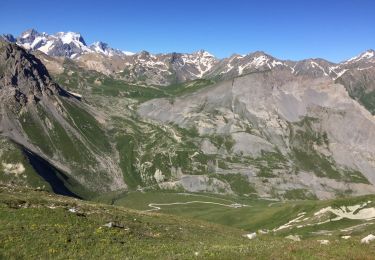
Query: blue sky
[(331, 29)]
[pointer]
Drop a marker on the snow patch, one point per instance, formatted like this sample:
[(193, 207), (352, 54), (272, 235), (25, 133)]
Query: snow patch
[(323, 242), (10, 168), (259, 61), (158, 175), (289, 224), (294, 237), (368, 239), (314, 64), (367, 55), (47, 47), (25, 35), (350, 212), (128, 53), (250, 235)]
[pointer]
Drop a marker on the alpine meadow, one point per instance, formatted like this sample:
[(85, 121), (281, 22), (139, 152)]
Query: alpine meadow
[(122, 153)]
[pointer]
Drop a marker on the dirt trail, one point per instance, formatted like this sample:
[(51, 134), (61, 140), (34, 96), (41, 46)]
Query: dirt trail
[(157, 206)]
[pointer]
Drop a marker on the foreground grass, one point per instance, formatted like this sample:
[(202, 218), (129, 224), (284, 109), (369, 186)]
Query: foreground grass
[(36, 224)]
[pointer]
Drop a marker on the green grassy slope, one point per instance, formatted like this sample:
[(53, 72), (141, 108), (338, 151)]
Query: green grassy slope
[(34, 224), (12, 155), (255, 214), (77, 141), (20, 166)]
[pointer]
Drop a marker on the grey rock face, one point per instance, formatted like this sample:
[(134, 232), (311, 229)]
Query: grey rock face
[(23, 76), (314, 68), (278, 111), (358, 77), (165, 69), (37, 114), (7, 38)]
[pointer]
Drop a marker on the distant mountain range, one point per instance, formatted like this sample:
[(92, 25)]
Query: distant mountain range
[(165, 69), (89, 119), (67, 44)]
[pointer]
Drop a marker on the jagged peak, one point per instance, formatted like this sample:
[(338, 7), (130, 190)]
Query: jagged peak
[(144, 53), (315, 60), (100, 47), (69, 37), (30, 82), (260, 58), (100, 44), (203, 53), (29, 33), (258, 53)]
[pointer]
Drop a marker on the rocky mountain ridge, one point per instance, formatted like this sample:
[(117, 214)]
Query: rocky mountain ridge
[(49, 125), (169, 68)]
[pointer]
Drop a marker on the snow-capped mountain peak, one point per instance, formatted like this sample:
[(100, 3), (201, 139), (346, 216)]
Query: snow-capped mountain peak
[(103, 48), (365, 56), (242, 64), (100, 47), (66, 44), (71, 37), (368, 54), (31, 33), (163, 68)]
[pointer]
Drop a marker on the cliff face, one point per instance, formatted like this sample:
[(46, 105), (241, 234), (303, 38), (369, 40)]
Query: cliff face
[(23, 77), (49, 123)]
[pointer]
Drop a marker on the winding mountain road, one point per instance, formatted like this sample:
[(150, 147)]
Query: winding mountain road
[(157, 206)]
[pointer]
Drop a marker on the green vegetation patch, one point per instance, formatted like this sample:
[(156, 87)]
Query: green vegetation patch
[(238, 183), (125, 145), (187, 87), (299, 194), (368, 101), (113, 87), (88, 126), (15, 168), (35, 131), (303, 139)]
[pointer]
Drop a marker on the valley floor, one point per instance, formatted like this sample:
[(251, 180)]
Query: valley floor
[(37, 224)]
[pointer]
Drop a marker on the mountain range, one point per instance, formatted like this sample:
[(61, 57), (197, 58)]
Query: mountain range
[(165, 69), (104, 120)]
